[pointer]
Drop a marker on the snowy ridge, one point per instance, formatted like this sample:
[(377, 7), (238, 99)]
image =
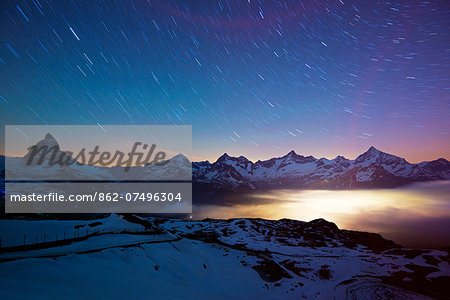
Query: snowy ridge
[(371, 169), (175, 168)]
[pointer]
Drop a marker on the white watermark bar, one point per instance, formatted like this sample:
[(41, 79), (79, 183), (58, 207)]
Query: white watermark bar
[(98, 197), (98, 169), (98, 152)]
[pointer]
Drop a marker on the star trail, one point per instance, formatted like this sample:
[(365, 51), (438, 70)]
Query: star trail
[(254, 78)]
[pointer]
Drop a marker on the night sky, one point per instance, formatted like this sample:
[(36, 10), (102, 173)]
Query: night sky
[(254, 78)]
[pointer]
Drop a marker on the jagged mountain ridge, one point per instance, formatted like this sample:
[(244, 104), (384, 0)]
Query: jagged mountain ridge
[(373, 168)]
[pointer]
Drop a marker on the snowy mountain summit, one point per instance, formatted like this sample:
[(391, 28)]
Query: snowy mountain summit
[(48, 141), (45, 151)]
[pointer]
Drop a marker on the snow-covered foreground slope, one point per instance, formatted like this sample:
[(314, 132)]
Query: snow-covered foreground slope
[(235, 259), (91, 244), (12, 232)]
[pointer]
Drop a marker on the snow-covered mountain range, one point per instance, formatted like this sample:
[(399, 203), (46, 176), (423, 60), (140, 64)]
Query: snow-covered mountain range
[(372, 169), (17, 168)]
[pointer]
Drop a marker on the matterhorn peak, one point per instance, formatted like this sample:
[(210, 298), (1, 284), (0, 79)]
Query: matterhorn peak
[(49, 141), (48, 136), (49, 145)]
